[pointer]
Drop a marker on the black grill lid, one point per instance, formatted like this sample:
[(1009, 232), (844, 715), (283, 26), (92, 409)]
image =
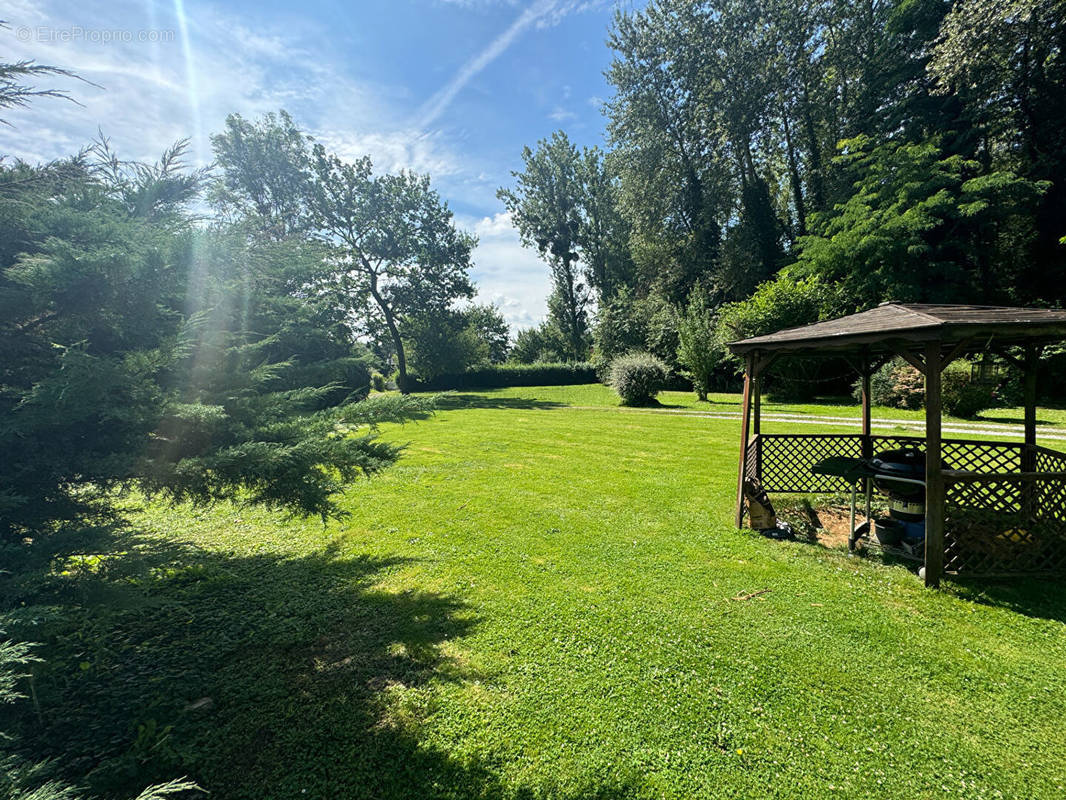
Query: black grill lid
[(908, 462)]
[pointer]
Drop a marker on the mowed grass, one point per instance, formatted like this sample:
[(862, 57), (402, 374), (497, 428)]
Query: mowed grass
[(540, 601)]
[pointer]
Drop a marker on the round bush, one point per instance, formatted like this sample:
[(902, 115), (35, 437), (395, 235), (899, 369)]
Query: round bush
[(638, 377), (962, 397)]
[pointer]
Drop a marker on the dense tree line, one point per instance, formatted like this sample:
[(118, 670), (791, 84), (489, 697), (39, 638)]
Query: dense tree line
[(886, 149)]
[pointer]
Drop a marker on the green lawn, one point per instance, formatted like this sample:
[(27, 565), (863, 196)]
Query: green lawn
[(539, 601)]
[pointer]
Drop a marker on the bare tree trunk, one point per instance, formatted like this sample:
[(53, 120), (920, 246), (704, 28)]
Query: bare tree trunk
[(794, 174), (573, 312), (817, 185), (401, 356), (394, 333)]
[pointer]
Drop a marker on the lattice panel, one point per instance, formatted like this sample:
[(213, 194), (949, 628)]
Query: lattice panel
[(1050, 494), (1005, 526), (751, 459), (982, 456), (879, 443), (786, 461), (998, 526), (1050, 500), (961, 454), (1045, 460)]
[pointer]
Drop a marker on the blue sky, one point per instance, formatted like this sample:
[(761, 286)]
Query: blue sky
[(450, 87)]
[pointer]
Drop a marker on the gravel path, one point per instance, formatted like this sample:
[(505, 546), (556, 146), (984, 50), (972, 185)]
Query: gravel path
[(917, 426)]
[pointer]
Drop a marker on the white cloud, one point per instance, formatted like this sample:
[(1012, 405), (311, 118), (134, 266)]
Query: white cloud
[(152, 95), (23, 12), (508, 274), (560, 114), (391, 151), (155, 92)]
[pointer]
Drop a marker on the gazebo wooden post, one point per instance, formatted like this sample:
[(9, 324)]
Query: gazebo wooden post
[(745, 413), (934, 475), (867, 442), (867, 446), (756, 420), (756, 403), (1032, 355)]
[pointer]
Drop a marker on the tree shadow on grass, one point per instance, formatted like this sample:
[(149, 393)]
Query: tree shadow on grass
[(451, 401), (1033, 597), (833, 400), (255, 675), (983, 417), (653, 404)]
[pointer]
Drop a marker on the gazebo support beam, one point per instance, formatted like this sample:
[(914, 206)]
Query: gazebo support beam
[(745, 431), (865, 371), (934, 474), (1010, 358), (756, 404), (954, 353), (1032, 356), (756, 421), (1029, 365), (916, 361)]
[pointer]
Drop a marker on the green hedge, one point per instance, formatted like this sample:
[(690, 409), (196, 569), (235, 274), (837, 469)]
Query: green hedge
[(499, 375)]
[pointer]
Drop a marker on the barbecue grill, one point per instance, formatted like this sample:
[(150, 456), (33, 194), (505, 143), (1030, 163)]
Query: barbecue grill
[(900, 474)]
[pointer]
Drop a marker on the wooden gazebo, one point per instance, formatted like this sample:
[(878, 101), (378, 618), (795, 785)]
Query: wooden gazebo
[(992, 508)]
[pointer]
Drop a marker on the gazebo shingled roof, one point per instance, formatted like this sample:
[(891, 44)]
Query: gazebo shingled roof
[(1032, 484), (874, 330)]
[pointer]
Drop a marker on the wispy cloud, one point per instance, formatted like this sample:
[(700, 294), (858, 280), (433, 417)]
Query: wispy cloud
[(155, 92), (541, 14), (564, 9), (153, 95), (391, 151)]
